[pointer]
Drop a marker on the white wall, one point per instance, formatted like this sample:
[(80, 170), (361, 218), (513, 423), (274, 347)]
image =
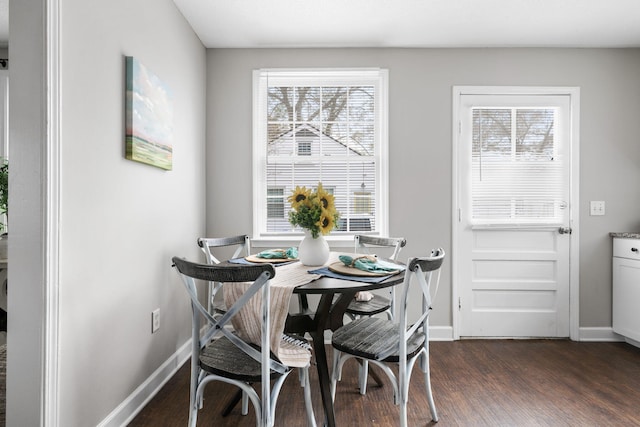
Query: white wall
[(120, 221), (420, 92)]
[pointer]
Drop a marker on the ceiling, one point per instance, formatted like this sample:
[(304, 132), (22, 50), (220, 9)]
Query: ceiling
[(406, 23), (414, 23)]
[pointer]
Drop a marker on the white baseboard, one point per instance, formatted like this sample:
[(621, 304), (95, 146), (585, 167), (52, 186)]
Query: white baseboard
[(599, 334), (440, 333), (602, 334), (132, 405)]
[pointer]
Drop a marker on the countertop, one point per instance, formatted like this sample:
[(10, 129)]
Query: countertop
[(626, 235)]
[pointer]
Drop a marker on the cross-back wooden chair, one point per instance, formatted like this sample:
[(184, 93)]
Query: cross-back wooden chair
[(384, 341), (378, 304), (218, 353), (386, 247)]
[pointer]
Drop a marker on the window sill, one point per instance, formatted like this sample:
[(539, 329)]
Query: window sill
[(344, 241)]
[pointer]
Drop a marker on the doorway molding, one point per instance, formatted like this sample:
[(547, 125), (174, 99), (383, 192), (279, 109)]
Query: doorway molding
[(574, 251), (52, 211)]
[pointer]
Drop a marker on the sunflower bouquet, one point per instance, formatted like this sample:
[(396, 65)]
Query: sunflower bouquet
[(313, 210)]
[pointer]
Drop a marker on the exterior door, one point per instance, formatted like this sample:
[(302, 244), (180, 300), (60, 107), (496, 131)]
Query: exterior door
[(513, 231)]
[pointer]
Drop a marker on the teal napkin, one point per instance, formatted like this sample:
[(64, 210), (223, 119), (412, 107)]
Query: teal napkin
[(370, 264), (291, 253)]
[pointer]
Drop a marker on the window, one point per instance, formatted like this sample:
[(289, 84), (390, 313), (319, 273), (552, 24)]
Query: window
[(516, 165), (304, 148), (326, 126)]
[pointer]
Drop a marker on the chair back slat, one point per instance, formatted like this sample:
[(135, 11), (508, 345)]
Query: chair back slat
[(365, 244), (210, 247), (208, 244)]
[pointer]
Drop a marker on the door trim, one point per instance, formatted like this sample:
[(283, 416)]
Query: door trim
[(51, 380), (574, 221)]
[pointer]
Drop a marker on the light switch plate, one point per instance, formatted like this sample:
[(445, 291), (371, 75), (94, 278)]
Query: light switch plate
[(597, 208)]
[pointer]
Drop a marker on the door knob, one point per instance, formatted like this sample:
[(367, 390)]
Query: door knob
[(564, 230)]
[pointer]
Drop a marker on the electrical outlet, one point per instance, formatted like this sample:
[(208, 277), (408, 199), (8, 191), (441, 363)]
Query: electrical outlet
[(596, 208), (155, 320)]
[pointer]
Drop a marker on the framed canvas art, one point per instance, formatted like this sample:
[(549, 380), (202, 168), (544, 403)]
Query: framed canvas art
[(149, 117)]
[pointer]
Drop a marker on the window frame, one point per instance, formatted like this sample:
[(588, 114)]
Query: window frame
[(318, 77)]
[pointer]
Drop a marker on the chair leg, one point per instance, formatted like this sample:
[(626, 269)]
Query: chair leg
[(427, 381), (363, 370), (404, 396), (194, 402), (336, 373), (245, 403), (193, 416), (301, 377), (311, 419)]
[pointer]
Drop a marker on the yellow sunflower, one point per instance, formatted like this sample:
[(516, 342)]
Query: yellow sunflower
[(299, 197), (326, 222), (327, 201)]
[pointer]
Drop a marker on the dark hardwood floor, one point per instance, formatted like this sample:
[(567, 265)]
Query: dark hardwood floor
[(475, 383)]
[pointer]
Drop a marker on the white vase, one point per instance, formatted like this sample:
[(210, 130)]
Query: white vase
[(313, 252)]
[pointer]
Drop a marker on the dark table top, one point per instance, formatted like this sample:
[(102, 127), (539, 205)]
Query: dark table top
[(325, 285)]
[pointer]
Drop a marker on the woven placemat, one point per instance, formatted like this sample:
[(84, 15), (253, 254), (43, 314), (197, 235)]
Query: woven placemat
[(339, 267)]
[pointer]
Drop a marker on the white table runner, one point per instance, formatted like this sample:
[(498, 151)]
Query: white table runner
[(248, 321)]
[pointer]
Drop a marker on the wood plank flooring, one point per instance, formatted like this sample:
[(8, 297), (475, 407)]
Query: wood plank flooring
[(475, 383)]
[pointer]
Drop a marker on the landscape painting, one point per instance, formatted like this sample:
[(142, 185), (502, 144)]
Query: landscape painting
[(149, 117)]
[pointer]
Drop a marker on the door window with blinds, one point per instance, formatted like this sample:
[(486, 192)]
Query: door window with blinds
[(314, 126), (517, 169)]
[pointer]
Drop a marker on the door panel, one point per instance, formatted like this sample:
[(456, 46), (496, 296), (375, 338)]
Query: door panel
[(515, 285)]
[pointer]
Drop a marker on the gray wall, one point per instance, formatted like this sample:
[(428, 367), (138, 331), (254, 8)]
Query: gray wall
[(26, 301), (120, 221), (420, 92)]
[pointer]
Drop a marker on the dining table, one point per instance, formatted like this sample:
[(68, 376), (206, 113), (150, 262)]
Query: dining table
[(335, 289)]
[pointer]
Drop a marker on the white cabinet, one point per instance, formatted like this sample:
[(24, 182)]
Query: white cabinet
[(626, 288)]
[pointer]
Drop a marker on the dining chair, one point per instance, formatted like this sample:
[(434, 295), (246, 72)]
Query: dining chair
[(213, 248), (384, 341), (219, 353), (378, 304), (365, 244)]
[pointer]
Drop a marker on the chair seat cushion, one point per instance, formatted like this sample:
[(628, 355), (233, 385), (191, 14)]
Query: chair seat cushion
[(375, 339), (375, 305), (221, 357)]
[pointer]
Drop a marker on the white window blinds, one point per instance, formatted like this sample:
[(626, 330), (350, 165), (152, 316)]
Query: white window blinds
[(516, 166), (321, 127)]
